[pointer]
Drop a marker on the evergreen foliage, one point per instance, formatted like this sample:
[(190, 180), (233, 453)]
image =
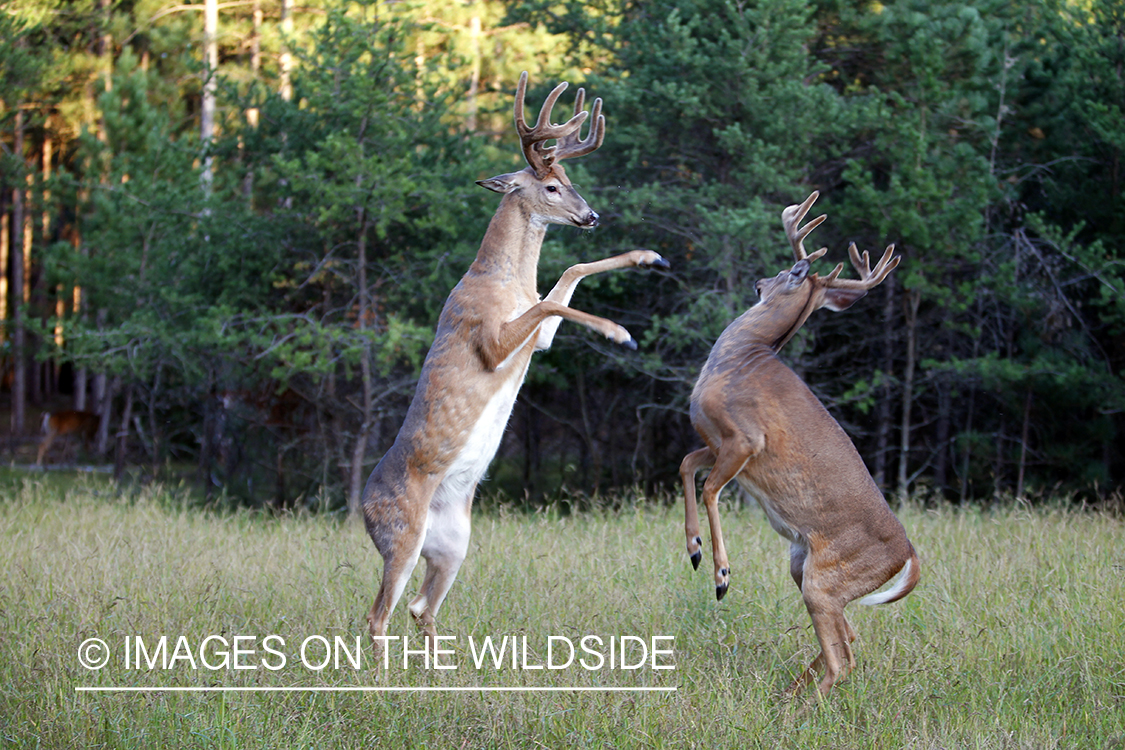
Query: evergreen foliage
[(261, 330)]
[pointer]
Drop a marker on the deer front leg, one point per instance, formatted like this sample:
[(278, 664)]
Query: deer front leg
[(568, 282), (43, 448), (514, 335), (690, 466)]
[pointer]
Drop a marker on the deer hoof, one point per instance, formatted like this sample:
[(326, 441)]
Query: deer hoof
[(695, 559), (660, 263), (723, 576), (631, 344)]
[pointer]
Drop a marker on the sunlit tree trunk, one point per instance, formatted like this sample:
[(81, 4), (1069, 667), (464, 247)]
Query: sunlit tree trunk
[(474, 73), (210, 89), (19, 339), (285, 60), (252, 113)]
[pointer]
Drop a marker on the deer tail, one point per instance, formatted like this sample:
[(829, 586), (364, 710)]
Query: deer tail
[(907, 578)]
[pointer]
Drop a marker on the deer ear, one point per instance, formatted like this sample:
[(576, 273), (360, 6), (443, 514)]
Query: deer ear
[(504, 183), (837, 300)]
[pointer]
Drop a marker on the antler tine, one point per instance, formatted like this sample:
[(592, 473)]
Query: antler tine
[(868, 278), (791, 217), (571, 146), (540, 157), (835, 272)]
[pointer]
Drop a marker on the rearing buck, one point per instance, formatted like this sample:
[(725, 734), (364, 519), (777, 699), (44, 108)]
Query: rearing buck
[(766, 430), (418, 499)]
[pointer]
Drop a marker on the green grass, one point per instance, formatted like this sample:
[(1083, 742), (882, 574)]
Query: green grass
[(1014, 638)]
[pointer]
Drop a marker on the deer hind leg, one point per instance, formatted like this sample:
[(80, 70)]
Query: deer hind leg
[(445, 547), (398, 565), (399, 537), (732, 456), (834, 634), (797, 555), (690, 466)]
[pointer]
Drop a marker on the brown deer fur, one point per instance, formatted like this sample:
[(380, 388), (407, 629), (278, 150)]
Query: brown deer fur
[(418, 499), (766, 430)]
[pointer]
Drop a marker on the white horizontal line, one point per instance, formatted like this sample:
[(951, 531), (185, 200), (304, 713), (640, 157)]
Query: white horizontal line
[(359, 689)]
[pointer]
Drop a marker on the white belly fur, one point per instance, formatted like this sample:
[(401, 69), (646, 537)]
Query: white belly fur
[(480, 447)]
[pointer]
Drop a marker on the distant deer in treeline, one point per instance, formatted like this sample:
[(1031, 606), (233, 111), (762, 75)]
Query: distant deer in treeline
[(766, 430), (62, 423)]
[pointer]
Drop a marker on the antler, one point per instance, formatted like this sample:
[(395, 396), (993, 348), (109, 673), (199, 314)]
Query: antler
[(571, 145), (791, 217), (568, 145), (868, 278)]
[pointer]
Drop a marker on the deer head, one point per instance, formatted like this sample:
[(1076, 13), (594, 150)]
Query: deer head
[(788, 299), (543, 187)]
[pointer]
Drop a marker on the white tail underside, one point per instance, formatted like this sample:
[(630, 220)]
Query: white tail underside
[(882, 597)]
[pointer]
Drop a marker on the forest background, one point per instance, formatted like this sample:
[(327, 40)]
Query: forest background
[(229, 228)]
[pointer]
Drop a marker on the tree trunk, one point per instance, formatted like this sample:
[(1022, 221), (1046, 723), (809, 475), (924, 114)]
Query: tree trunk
[(122, 435), (913, 300), (941, 460), (19, 338), (967, 448), (1023, 441), (355, 485), (886, 391), (285, 60), (5, 253), (210, 89), (998, 468), (35, 294), (531, 440), (474, 73), (252, 113)]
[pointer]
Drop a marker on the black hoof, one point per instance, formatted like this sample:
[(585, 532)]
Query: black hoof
[(720, 592), (695, 558), (631, 344), (660, 263)]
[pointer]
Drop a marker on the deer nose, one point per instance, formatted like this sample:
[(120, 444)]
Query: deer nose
[(591, 219)]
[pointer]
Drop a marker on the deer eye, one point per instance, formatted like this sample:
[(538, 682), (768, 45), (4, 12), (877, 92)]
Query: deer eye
[(552, 189)]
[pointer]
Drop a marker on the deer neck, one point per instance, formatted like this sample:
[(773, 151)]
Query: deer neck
[(767, 326), (509, 253)]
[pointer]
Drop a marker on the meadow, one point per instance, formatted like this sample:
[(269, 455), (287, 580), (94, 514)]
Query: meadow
[(1014, 638)]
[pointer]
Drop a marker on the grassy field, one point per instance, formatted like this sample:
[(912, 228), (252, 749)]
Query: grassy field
[(1014, 638)]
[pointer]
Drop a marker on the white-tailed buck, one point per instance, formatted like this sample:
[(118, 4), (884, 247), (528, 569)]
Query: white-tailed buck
[(63, 423), (418, 499), (766, 430)]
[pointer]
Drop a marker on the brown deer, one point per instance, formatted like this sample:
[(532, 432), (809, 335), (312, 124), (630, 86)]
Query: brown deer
[(417, 500), (766, 430), (63, 423)]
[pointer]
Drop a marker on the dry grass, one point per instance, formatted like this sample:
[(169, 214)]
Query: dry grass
[(1013, 639)]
